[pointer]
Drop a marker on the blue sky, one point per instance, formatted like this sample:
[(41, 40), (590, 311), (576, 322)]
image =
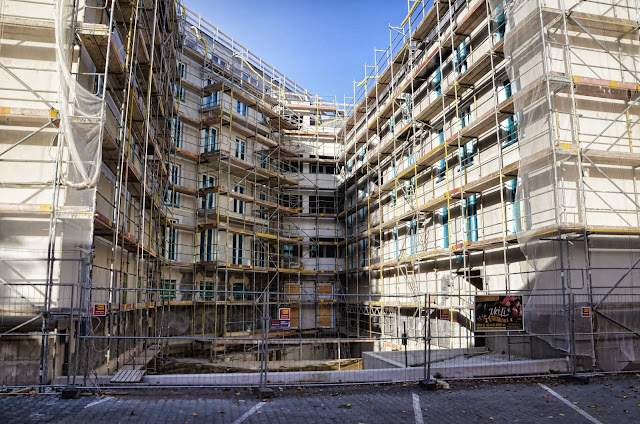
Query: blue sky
[(322, 45)]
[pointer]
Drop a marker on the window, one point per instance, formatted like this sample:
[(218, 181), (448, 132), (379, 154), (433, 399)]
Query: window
[(289, 251), (410, 185), (506, 86), (501, 22), (395, 240), (171, 196), (179, 89), (467, 150), (177, 127), (514, 215), (207, 199), (206, 246), (139, 297), (407, 109), (262, 214), (351, 253), (262, 254), (290, 167), (123, 295), (350, 226), (98, 85), (362, 247), (237, 248), (182, 70), (362, 215), (241, 146), (210, 139), (508, 130), (264, 161), (350, 164), (412, 234), (444, 221), (361, 154), (409, 156), (241, 108), (206, 290), (212, 99), (322, 204), (244, 76), (325, 248), (460, 59), (178, 92), (441, 166), (171, 243), (238, 205), (466, 154), (291, 200), (238, 290), (464, 117), (509, 133), (470, 218), (168, 289), (436, 82), (322, 169), (363, 192), (134, 149)]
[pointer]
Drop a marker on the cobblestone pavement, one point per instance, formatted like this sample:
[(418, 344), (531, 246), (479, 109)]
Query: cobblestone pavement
[(613, 399)]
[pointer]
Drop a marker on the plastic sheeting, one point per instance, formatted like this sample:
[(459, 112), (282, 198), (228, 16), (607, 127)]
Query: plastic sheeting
[(82, 114), (548, 54)]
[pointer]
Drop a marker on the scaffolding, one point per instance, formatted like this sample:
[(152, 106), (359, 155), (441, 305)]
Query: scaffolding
[(468, 147), (167, 194)]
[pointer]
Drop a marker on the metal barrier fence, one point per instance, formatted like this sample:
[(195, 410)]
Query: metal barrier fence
[(231, 338), (244, 338)]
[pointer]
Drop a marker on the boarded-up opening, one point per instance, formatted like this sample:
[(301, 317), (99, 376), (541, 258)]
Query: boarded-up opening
[(292, 291), (325, 306)]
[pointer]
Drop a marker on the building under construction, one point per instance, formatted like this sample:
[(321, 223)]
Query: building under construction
[(167, 194)]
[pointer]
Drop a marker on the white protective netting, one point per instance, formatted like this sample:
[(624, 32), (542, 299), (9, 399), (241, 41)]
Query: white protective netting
[(548, 56), (82, 114)]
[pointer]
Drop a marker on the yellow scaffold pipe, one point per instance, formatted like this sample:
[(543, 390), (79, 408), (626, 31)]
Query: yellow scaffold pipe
[(199, 37)]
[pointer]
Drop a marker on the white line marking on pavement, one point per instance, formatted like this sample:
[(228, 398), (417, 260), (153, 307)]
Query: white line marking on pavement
[(99, 401), (248, 413), (417, 412), (575, 408)]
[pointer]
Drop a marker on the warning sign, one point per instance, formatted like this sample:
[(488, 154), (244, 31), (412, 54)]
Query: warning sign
[(278, 324), (586, 312), (99, 310), (444, 314), (284, 314)]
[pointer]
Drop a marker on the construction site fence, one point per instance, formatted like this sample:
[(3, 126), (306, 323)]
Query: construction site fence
[(238, 337)]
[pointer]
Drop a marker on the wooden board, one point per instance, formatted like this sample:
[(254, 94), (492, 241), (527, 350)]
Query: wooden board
[(128, 376)]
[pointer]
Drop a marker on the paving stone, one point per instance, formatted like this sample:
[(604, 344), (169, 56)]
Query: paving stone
[(614, 399)]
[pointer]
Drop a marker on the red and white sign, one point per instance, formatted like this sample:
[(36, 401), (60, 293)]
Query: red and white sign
[(99, 310), (586, 312), (444, 314), (284, 314)]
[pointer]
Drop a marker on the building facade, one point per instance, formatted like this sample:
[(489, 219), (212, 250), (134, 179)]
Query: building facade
[(166, 190)]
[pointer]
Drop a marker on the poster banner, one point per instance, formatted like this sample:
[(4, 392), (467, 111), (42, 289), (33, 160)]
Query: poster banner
[(498, 313), (277, 324)]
